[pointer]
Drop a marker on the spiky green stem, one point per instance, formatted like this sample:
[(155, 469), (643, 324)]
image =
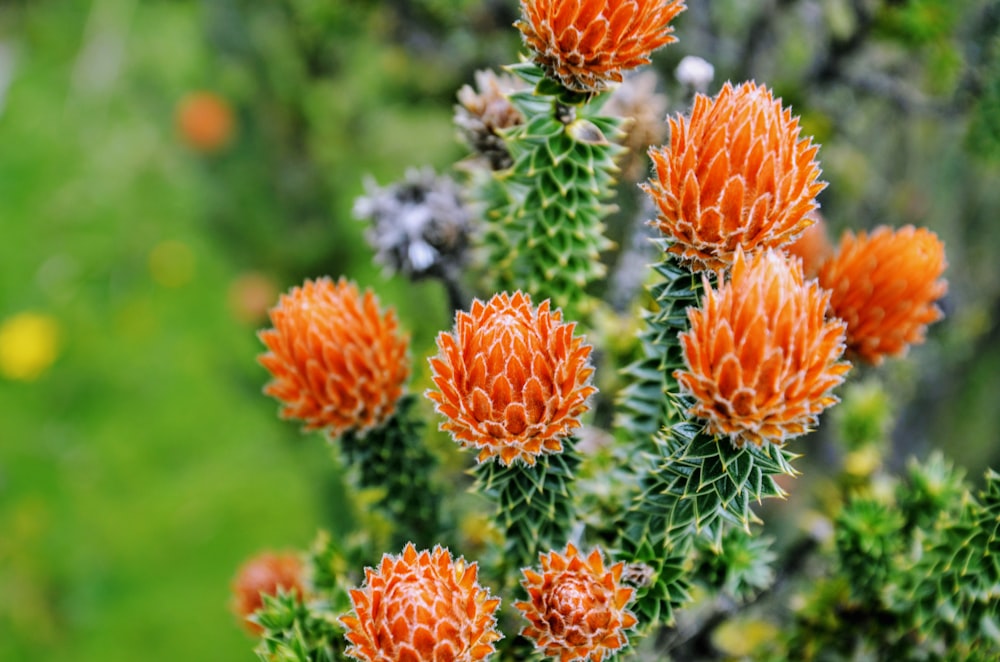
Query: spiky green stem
[(646, 405), (701, 485), (393, 458), (534, 505), (547, 231)]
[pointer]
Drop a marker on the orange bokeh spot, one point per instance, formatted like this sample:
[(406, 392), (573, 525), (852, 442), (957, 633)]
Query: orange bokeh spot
[(205, 121)]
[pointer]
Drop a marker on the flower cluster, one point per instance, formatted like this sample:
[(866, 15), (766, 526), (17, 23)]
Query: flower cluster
[(761, 359), (576, 607), (422, 606), (512, 379), (586, 44), (736, 175), (339, 363)]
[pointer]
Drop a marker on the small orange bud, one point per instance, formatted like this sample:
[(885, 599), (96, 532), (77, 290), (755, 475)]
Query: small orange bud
[(736, 174), (586, 44), (761, 359), (265, 574)]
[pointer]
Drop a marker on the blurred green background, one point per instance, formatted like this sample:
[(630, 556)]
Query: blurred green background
[(139, 463)]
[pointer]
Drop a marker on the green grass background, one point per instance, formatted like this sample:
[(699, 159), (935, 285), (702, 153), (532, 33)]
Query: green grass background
[(146, 465)]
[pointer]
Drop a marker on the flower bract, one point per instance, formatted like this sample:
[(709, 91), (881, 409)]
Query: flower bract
[(512, 379), (885, 285), (576, 607), (422, 606), (339, 363), (761, 359), (586, 44), (736, 174), (265, 574)]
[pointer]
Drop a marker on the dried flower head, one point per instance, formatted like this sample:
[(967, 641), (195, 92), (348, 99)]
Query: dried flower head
[(419, 226), (813, 246), (205, 121), (512, 380), (339, 363), (735, 175), (265, 574), (576, 606), (419, 607), (637, 101), (885, 286), (586, 44), (483, 113), (761, 359)]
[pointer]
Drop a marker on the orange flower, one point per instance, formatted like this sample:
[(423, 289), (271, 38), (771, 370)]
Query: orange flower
[(813, 246), (512, 380), (262, 575), (419, 607), (884, 286), (576, 607), (735, 175), (338, 362), (761, 360), (205, 121), (586, 44)]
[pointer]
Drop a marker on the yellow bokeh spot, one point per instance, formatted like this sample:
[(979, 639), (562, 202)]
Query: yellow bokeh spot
[(29, 344), (744, 637), (171, 263)]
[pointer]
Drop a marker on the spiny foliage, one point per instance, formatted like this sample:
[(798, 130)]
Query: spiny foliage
[(868, 539), (297, 632), (700, 486), (534, 504), (644, 404), (547, 235), (957, 590), (393, 458), (740, 566)]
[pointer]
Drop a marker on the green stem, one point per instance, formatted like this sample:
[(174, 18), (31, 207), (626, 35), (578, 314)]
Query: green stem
[(393, 458), (534, 505)]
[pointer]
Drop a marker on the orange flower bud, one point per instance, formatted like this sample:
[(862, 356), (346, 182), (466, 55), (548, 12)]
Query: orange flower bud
[(338, 362), (885, 285), (576, 607), (735, 175), (512, 380), (586, 44), (761, 359), (422, 606)]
